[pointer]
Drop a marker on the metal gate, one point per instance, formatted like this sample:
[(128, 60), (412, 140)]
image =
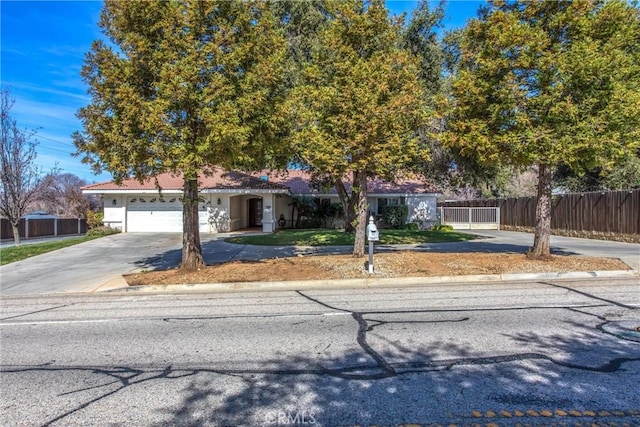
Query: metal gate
[(471, 218)]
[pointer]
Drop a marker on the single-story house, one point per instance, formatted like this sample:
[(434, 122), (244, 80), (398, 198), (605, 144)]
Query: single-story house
[(238, 200)]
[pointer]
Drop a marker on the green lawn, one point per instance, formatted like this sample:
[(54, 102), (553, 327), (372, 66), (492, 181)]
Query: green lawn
[(18, 253), (323, 237)]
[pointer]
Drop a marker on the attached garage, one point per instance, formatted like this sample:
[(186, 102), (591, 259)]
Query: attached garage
[(151, 213), (154, 214)]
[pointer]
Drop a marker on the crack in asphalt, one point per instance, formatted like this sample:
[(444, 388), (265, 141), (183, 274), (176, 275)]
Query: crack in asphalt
[(268, 316), (38, 311), (379, 368), (387, 369), (127, 377), (588, 295), (389, 322), (381, 362), (587, 313)]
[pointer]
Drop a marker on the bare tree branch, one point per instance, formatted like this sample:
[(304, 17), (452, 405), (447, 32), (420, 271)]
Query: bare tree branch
[(19, 175)]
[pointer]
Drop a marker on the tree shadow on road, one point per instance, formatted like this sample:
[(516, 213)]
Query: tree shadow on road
[(430, 377), (435, 383)]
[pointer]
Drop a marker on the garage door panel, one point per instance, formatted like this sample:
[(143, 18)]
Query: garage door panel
[(150, 214)]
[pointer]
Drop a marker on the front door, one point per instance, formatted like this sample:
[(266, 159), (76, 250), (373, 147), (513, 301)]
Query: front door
[(255, 212)]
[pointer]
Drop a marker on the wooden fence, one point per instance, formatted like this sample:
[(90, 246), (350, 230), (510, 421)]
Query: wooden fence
[(616, 212), (43, 227)]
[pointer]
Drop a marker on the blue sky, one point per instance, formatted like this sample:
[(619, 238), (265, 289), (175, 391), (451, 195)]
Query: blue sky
[(43, 44)]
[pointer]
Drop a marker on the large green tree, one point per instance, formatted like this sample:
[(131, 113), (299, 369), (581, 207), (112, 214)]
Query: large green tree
[(359, 104), (625, 175), (180, 86), (545, 83)]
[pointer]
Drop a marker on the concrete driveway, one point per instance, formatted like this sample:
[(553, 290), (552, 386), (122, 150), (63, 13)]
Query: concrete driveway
[(89, 265), (561, 245)]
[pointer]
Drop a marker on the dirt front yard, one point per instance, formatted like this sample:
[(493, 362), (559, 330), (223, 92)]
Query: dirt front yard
[(394, 264)]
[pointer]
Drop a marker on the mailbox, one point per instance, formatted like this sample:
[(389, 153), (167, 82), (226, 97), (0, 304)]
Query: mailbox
[(372, 231)]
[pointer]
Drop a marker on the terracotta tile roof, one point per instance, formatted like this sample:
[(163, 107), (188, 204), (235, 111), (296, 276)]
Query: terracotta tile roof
[(299, 182), (219, 180), (294, 180)]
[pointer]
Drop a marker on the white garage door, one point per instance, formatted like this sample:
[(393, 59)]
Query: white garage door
[(154, 214)]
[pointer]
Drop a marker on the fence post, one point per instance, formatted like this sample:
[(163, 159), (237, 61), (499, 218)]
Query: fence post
[(469, 218), (55, 227), (441, 215), (26, 228), (78, 225)]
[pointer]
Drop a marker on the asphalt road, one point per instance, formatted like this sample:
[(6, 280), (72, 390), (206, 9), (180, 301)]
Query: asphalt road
[(534, 353)]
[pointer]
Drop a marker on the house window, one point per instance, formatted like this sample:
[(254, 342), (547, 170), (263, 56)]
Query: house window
[(389, 201)]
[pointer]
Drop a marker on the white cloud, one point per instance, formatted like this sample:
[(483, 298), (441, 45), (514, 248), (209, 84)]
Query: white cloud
[(85, 99)]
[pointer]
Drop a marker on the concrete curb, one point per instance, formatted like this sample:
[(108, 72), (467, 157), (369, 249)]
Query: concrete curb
[(114, 283), (373, 282)]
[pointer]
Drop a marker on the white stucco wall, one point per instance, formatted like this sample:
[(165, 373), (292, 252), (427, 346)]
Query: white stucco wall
[(221, 211), (238, 214), (268, 213), (235, 206), (114, 214)]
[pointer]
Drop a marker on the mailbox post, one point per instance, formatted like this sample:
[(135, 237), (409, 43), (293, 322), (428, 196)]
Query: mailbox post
[(372, 236)]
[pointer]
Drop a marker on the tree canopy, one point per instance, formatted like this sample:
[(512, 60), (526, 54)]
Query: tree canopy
[(182, 86), (359, 104), (548, 83)]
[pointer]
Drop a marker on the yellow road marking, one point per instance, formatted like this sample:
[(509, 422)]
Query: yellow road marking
[(556, 413)]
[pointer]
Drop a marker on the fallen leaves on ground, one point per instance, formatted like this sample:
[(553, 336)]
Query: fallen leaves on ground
[(393, 264)]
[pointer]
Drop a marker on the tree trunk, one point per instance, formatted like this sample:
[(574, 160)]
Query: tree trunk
[(16, 233), (191, 249), (541, 243), (348, 206), (360, 183)]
